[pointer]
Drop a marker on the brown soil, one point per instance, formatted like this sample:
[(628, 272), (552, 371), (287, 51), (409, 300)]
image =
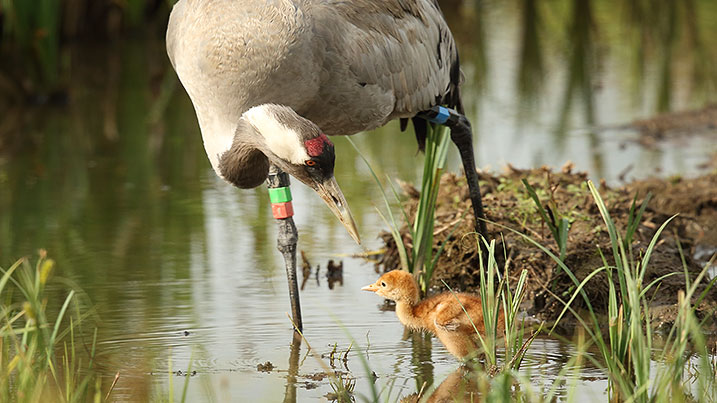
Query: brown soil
[(566, 194), (676, 125)]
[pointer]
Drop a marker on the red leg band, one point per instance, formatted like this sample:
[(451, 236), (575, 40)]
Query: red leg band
[(282, 210)]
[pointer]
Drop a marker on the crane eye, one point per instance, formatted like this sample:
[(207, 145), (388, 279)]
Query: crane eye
[(383, 284), (310, 163)]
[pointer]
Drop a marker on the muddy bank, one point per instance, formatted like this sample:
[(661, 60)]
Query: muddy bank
[(566, 194), (676, 126)]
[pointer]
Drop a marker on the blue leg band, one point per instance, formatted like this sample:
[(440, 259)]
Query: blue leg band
[(441, 117)]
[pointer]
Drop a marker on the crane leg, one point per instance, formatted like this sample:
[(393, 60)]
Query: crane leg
[(462, 136), (287, 237)]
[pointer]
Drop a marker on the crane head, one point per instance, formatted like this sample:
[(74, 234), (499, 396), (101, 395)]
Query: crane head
[(299, 148)]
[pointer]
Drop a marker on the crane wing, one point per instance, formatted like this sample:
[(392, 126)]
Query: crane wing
[(346, 65), (400, 53)]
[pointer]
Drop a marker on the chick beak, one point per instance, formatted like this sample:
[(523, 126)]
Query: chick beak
[(331, 194), (372, 287)]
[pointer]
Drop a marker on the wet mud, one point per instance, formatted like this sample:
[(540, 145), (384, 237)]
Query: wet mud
[(689, 240), (676, 126)]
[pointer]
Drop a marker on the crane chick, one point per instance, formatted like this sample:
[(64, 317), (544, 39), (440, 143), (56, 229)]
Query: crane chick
[(442, 315)]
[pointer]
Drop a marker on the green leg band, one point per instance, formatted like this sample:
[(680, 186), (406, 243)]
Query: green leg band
[(280, 195)]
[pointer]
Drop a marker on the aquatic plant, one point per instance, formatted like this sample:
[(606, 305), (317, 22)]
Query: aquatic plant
[(558, 224), (628, 350), (168, 396), (39, 356), (343, 387), (626, 353), (499, 300), (424, 260), (419, 258)]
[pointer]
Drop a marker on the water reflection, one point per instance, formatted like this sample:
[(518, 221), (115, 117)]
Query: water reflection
[(290, 395), (544, 368), (116, 185), (581, 62), (460, 384), (531, 71), (421, 357)]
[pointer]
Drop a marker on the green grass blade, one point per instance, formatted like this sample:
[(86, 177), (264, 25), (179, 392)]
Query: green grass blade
[(61, 315), (541, 210), (186, 379), (402, 254), (395, 229), (575, 294), (651, 246), (7, 275)]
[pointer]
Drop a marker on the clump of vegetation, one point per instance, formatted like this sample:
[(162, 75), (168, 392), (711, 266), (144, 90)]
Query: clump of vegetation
[(43, 355), (628, 350), (626, 353), (509, 204), (501, 299), (635, 369), (559, 224)]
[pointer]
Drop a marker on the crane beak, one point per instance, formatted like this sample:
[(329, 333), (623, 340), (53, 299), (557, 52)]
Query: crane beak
[(331, 194)]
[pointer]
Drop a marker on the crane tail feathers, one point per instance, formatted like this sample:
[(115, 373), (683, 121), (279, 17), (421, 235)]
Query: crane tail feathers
[(420, 128)]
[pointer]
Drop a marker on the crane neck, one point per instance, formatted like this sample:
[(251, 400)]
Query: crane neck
[(265, 134), (245, 164)]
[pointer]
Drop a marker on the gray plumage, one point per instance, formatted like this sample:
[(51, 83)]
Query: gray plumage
[(265, 76), (347, 66)]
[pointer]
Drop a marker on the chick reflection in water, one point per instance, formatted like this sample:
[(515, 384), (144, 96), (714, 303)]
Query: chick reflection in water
[(460, 386), (442, 315)]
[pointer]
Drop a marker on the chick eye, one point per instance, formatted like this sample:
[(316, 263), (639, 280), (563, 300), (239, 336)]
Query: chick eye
[(383, 284), (310, 163)]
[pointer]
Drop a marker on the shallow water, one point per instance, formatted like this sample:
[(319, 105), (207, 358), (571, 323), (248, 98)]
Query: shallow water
[(184, 268)]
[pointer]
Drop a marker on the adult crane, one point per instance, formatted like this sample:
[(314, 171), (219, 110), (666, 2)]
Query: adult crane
[(269, 79)]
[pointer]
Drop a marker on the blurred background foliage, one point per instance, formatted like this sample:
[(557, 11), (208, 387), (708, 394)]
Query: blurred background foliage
[(35, 36), (93, 62), (37, 33)]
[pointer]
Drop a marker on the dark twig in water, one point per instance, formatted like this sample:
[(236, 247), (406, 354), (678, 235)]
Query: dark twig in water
[(519, 354), (331, 356), (335, 273), (305, 269), (345, 358)]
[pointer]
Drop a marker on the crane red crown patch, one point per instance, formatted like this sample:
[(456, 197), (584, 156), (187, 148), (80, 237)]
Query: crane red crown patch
[(315, 146)]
